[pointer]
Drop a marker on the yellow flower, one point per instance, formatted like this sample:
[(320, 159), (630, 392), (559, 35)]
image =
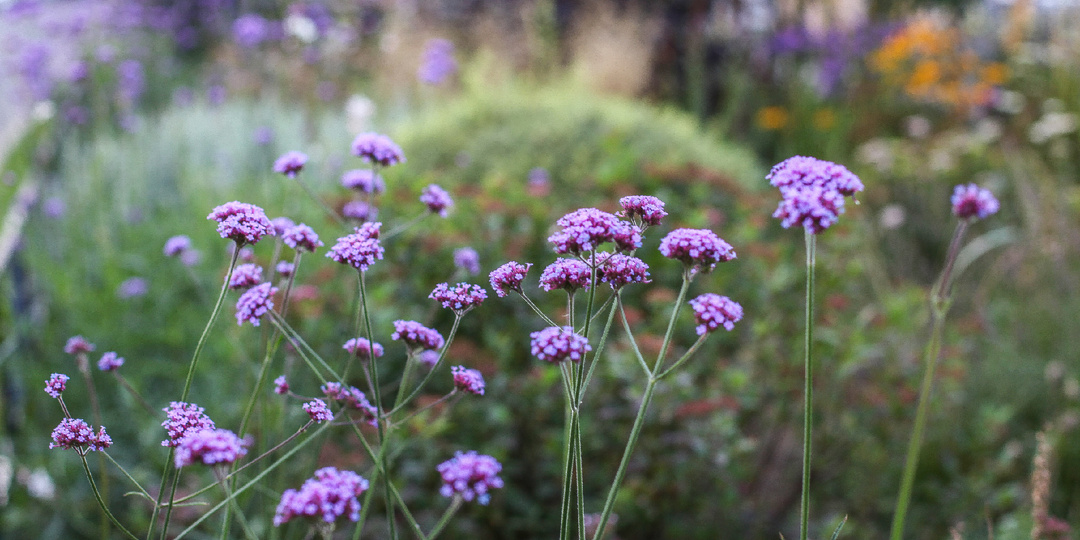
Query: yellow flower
[(994, 74), (824, 119), (772, 118)]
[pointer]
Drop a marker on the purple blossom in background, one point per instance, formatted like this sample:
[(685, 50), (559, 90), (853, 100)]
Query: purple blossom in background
[(361, 348), (254, 303), (110, 361), (508, 277), (971, 201), (360, 211), (209, 447), (285, 268), (190, 257), (264, 135), (290, 163), (460, 297), (241, 222), (360, 249), (176, 245), (33, 65), (416, 335), (247, 254), (216, 95), (471, 476), (436, 199), (76, 115), (56, 384), (699, 248), (568, 274), (649, 210), (301, 238), (619, 270), (363, 180), (326, 90), (250, 30), (53, 207), (318, 411), (79, 71), (585, 229), (468, 380), (467, 259), (378, 149), (131, 80), (183, 96), (438, 62), (281, 386), (132, 288), (183, 419), (78, 345), (75, 433), (281, 224), (352, 397), (555, 344), (712, 311), (245, 276), (428, 358), (327, 497)]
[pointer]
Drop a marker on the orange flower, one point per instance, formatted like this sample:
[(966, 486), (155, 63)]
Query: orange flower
[(772, 118), (824, 119)]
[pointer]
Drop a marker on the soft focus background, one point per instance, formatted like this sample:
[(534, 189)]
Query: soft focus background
[(125, 122)]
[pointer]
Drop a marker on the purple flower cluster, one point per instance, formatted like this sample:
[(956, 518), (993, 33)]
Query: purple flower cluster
[(328, 496), (363, 180), (360, 211), (508, 277), (281, 386), (699, 248), (712, 311), (436, 199), (56, 384), (133, 287), (183, 419), (971, 201), (250, 30), (555, 344), (177, 245), (619, 270), (649, 210), (301, 238), (585, 229), (360, 249), (471, 476), (569, 274), (290, 163), (77, 434), (428, 357), (110, 361), (460, 298), (209, 447), (352, 397), (318, 411), (254, 303), (378, 149), (467, 259), (812, 192), (245, 276), (416, 335), (78, 345), (285, 268), (468, 380), (361, 348), (438, 62), (282, 224), (241, 222)]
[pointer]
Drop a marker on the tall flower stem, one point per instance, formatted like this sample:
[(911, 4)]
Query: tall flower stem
[(808, 384), (95, 407), (380, 425), (101, 502), (326, 208)]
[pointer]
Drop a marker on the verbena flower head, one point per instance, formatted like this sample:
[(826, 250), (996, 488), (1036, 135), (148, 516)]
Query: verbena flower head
[(568, 274), (360, 249), (254, 303), (711, 311), (468, 380), (190, 257), (585, 229), (176, 246), (555, 344), (699, 248), (281, 224), (301, 238), (416, 335), (183, 419), (110, 361), (460, 298), (436, 199), (362, 348), (428, 357), (209, 447), (132, 288), (56, 384), (438, 62), (318, 411), (75, 433), (508, 277), (619, 270), (285, 268), (467, 259), (471, 476), (378, 149), (245, 276), (812, 192), (360, 211), (971, 201), (814, 208), (281, 385), (649, 210), (78, 345), (327, 497), (363, 180), (353, 398), (241, 222), (290, 163), (246, 255)]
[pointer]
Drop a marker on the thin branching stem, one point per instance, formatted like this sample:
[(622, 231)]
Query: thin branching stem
[(808, 385)]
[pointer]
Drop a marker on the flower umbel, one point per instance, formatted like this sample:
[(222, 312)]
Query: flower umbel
[(209, 447), (77, 434), (110, 361), (508, 277), (176, 246), (812, 192), (468, 380), (183, 419), (301, 238), (363, 180), (360, 249), (78, 345), (460, 298), (362, 348), (241, 222), (712, 311), (568, 274), (318, 411), (555, 344), (471, 476), (436, 199), (586, 228), (281, 385), (971, 202), (290, 163), (467, 259), (649, 210), (378, 149), (253, 304), (245, 276), (619, 270), (328, 496), (416, 335), (56, 384), (699, 248)]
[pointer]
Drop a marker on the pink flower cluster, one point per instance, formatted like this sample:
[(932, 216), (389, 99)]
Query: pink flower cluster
[(416, 335), (586, 228), (555, 344), (378, 149), (361, 348), (326, 497), (471, 476), (508, 277), (209, 447), (241, 222), (711, 311), (697, 248), (568, 274), (468, 380), (649, 210), (75, 433), (301, 238), (812, 192), (360, 249), (255, 303), (460, 298)]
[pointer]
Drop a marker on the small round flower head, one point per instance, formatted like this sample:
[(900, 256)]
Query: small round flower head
[(78, 345), (281, 386), (245, 276), (460, 298), (508, 277), (318, 411), (325, 498), (190, 257), (363, 180), (438, 62), (586, 228), (183, 419), (555, 344), (209, 447), (110, 361), (77, 434), (254, 303), (649, 210), (281, 224), (971, 201), (619, 270), (378, 149), (360, 211), (246, 255), (362, 348), (353, 398), (290, 163), (360, 249), (798, 172), (436, 199), (176, 246), (711, 311), (569, 274), (241, 222), (813, 207), (56, 384), (468, 380), (428, 357), (626, 237), (696, 247), (301, 238), (471, 476), (467, 259), (132, 288), (285, 268), (416, 335)]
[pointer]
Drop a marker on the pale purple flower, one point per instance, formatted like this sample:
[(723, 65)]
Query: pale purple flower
[(110, 361), (363, 180), (246, 255), (471, 476), (318, 411), (354, 398), (301, 238), (245, 276), (241, 222), (361, 348), (428, 357), (971, 201), (285, 268), (254, 303), (183, 419), (177, 245), (209, 447), (78, 345), (132, 288), (53, 207), (712, 311), (56, 384), (190, 257), (250, 30), (568, 274), (360, 249), (75, 433), (467, 259), (325, 498), (438, 62), (281, 224), (585, 229), (508, 277), (814, 208), (436, 199), (360, 211), (290, 163), (264, 135), (555, 344), (416, 335), (699, 248), (468, 380), (281, 386), (460, 297), (131, 80), (369, 230), (378, 149), (619, 270), (812, 192), (648, 209)]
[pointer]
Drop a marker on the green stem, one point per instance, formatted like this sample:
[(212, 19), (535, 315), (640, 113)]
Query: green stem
[(633, 342), (536, 309), (403, 227), (380, 424), (808, 385), (134, 393), (455, 504), (687, 277), (596, 355), (424, 381), (326, 208), (393, 426), (101, 503), (690, 352), (142, 490), (406, 376), (231, 499)]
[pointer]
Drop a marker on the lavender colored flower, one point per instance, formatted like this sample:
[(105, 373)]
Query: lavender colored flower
[(56, 384), (263, 136), (352, 397), (362, 348), (436, 199), (801, 171), (177, 245), (471, 476), (327, 497), (360, 211), (246, 255), (627, 238), (508, 277), (290, 163), (209, 447), (78, 345), (467, 259), (190, 257), (110, 361), (318, 411), (648, 209), (619, 270), (281, 386), (971, 201), (363, 180), (131, 80), (254, 303), (369, 230), (245, 276), (132, 288), (586, 228), (53, 207), (75, 433), (360, 249), (429, 358), (301, 238), (468, 380), (183, 419), (460, 298), (568, 274), (281, 224), (285, 268), (378, 149), (416, 335), (438, 62), (712, 311), (250, 30), (555, 344), (814, 208), (241, 222), (696, 247)]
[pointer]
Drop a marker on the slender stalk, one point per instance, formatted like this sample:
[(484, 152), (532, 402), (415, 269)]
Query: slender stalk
[(808, 385), (687, 277), (134, 393), (455, 504), (100, 501), (393, 426), (231, 499), (689, 352), (536, 309), (596, 355), (424, 381), (633, 342), (568, 453), (408, 515), (95, 407), (326, 208), (380, 424), (404, 226), (406, 377), (142, 490)]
